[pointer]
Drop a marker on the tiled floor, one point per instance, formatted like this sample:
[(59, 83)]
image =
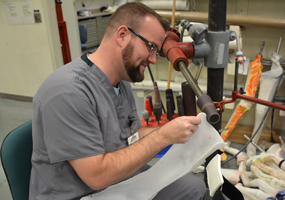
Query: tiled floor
[(14, 113)]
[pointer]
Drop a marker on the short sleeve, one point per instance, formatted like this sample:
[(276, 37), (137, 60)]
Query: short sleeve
[(70, 124)]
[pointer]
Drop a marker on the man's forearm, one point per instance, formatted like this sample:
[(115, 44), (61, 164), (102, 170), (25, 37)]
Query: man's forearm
[(103, 170), (130, 159), (118, 165), (145, 130)]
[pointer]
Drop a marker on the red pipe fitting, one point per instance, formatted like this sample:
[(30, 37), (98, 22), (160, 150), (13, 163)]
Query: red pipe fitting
[(176, 51), (220, 106)]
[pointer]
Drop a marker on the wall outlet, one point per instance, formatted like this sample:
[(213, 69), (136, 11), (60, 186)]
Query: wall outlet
[(38, 17)]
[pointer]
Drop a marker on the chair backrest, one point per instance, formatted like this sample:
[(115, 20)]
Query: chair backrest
[(83, 33), (16, 153)]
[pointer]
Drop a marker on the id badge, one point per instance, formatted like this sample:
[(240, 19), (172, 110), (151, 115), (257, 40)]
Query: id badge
[(133, 138)]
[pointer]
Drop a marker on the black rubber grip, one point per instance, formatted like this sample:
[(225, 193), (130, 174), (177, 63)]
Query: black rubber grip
[(206, 105)]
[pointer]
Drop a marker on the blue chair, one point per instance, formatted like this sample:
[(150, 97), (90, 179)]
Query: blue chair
[(16, 153), (83, 35)]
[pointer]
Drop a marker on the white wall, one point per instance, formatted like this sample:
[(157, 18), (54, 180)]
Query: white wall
[(93, 4), (28, 52)]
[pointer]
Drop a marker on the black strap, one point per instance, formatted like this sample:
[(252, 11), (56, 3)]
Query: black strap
[(231, 191), (86, 59), (281, 162), (228, 190)]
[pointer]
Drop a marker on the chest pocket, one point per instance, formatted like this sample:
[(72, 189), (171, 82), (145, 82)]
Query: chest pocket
[(130, 122)]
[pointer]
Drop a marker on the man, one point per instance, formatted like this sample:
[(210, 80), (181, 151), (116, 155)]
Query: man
[(84, 113)]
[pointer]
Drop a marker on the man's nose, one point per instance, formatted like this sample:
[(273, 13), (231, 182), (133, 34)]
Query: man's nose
[(152, 58)]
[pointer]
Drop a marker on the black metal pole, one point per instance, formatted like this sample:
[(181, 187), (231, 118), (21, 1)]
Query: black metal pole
[(216, 23), (217, 15)]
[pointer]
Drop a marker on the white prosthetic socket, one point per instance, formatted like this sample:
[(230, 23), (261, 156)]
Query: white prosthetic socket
[(177, 162)]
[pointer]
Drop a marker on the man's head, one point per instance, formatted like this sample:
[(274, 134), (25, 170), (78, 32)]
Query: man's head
[(132, 15), (145, 30)]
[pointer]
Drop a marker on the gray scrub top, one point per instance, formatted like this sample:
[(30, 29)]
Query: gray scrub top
[(76, 114)]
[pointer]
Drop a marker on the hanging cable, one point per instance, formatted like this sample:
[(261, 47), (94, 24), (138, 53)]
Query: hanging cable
[(181, 34), (272, 117), (168, 35)]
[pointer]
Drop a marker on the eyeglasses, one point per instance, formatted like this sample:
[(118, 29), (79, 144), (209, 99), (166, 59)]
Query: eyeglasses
[(153, 48)]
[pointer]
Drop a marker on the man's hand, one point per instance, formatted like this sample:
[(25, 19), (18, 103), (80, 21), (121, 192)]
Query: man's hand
[(180, 129), (103, 170)]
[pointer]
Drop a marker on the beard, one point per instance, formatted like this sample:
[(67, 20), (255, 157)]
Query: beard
[(132, 70)]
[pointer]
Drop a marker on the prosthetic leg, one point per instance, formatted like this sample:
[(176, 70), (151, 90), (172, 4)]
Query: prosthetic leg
[(269, 83)]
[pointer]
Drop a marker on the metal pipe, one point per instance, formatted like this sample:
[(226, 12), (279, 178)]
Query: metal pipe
[(279, 45), (215, 87), (216, 23), (204, 102), (240, 20), (199, 70), (237, 95), (260, 149), (262, 47), (236, 74), (188, 76), (217, 15)]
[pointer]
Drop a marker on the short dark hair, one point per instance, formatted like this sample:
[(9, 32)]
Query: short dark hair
[(131, 15)]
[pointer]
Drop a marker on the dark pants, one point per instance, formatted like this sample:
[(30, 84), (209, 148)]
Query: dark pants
[(188, 187)]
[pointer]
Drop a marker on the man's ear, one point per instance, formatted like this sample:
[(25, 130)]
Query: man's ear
[(123, 36)]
